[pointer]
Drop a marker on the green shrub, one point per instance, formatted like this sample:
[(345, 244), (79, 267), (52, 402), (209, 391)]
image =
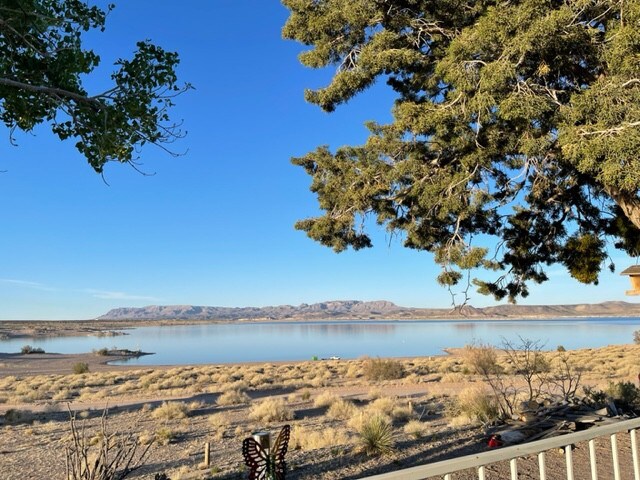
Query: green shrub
[(636, 337), (80, 367), (561, 348), (376, 435), (380, 369), (28, 349), (102, 352), (594, 396), (625, 394), (14, 416)]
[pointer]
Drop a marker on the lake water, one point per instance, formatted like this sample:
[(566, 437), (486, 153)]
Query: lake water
[(223, 343)]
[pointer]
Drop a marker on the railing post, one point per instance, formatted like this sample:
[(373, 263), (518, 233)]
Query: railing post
[(592, 460), (480, 461), (568, 454), (481, 473), (514, 468), (614, 453), (634, 453), (542, 466)]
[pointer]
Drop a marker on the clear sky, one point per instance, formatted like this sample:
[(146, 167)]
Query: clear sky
[(215, 226)]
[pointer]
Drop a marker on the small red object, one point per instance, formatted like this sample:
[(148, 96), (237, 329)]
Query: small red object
[(495, 441)]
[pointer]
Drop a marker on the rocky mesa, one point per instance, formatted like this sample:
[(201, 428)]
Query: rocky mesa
[(359, 310)]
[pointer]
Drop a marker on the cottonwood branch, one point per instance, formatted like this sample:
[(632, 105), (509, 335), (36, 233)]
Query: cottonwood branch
[(51, 91)]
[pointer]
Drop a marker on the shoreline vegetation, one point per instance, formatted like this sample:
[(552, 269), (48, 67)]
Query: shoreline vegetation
[(427, 404)]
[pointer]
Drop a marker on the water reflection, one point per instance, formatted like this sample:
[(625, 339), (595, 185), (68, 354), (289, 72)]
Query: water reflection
[(464, 326)]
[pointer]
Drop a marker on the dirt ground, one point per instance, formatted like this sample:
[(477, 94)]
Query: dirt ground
[(33, 447)]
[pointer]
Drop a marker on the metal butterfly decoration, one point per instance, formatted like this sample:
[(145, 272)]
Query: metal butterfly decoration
[(267, 464)]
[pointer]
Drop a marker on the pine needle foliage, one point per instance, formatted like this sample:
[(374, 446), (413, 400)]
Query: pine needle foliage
[(514, 122)]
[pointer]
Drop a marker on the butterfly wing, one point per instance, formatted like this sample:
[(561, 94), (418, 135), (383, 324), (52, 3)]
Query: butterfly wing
[(255, 457), (279, 450)]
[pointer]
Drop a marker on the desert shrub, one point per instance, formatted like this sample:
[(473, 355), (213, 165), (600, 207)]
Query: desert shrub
[(313, 439), (528, 376), (28, 349), (625, 394), (561, 349), (305, 395), (636, 337), (80, 367), (170, 411), (384, 405), (103, 456), (218, 420), (376, 435), (164, 436), (475, 404), (14, 416), (61, 395), (341, 410), (374, 393), (402, 412), (566, 375), (271, 410), (415, 429), (325, 399), (233, 397), (102, 352), (453, 377), (376, 369)]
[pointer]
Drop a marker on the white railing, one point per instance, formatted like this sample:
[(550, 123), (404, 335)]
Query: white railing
[(480, 461)]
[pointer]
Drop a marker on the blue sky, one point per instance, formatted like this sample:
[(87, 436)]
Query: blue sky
[(215, 226)]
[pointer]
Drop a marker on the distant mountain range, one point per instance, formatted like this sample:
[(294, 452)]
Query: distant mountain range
[(357, 310)]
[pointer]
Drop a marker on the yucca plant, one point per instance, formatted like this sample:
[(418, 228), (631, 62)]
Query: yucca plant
[(376, 435)]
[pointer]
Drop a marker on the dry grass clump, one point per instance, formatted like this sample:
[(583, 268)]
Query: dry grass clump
[(415, 429), (218, 420), (342, 410), (164, 436), (376, 435), (314, 439), (376, 369), (233, 397), (383, 405), (325, 399), (271, 410), (402, 412), (374, 393), (170, 411), (453, 377), (473, 404)]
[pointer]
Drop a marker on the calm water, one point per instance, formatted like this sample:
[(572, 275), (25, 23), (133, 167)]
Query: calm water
[(300, 341)]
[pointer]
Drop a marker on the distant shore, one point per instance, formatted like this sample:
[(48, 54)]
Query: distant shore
[(13, 329)]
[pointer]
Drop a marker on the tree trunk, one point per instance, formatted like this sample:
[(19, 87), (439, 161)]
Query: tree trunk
[(628, 202)]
